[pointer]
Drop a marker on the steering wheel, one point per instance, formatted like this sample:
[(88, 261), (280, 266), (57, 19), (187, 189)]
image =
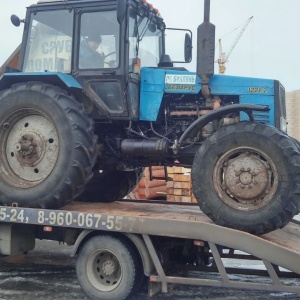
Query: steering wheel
[(111, 63)]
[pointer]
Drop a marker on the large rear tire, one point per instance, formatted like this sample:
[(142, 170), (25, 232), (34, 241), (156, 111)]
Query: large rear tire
[(47, 146), (246, 176), (109, 186)]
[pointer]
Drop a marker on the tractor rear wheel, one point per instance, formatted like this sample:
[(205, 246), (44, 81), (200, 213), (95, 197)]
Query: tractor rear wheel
[(47, 146), (110, 185), (246, 176)]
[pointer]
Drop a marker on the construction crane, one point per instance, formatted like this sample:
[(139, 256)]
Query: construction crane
[(223, 56)]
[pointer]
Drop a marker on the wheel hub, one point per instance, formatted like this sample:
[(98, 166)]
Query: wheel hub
[(246, 177), (32, 148), (29, 149), (108, 267), (106, 272)]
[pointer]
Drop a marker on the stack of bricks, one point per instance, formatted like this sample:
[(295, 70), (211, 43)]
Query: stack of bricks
[(180, 188)]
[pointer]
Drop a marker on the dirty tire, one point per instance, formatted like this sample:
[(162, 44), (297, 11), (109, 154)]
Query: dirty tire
[(108, 267), (109, 186), (247, 176), (47, 146)]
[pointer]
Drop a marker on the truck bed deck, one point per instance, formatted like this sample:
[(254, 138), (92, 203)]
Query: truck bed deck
[(279, 248), (288, 237)]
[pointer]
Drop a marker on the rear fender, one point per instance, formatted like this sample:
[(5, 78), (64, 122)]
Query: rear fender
[(65, 81)]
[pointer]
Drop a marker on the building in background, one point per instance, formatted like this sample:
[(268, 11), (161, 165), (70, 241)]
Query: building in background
[(293, 113)]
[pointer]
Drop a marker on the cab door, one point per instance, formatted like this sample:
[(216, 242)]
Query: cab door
[(98, 62)]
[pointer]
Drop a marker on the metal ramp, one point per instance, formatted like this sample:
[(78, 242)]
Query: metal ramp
[(275, 250), (280, 248)]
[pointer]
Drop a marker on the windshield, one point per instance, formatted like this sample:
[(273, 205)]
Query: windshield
[(49, 42), (145, 40)]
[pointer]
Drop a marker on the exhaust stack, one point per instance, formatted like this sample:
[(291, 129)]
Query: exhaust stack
[(205, 50)]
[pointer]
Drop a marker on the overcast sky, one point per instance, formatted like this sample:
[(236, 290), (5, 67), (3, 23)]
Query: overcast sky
[(269, 47)]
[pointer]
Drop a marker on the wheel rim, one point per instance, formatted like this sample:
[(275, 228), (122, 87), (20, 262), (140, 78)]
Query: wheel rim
[(245, 178), (104, 270), (30, 148)]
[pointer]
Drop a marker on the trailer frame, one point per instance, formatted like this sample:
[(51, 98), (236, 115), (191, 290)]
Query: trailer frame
[(140, 221)]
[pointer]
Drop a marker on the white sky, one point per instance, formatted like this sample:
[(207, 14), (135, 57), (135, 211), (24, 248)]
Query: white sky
[(269, 47)]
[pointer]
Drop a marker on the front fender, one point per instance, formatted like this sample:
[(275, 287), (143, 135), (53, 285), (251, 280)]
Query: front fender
[(218, 113), (65, 81)]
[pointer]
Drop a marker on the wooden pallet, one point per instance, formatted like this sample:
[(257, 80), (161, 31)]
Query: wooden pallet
[(180, 189)]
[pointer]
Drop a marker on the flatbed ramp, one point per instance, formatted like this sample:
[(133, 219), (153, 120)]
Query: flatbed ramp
[(280, 248)]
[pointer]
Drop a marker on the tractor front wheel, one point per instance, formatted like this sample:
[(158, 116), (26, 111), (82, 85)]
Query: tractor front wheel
[(246, 176)]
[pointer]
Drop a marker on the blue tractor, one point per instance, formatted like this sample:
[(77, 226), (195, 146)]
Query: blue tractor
[(96, 98)]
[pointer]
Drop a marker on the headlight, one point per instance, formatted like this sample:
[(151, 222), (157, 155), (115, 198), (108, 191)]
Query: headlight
[(283, 124)]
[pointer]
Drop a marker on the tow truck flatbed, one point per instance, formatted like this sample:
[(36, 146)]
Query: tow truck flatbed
[(147, 220)]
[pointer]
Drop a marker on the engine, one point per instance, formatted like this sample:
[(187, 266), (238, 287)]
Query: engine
[(180, 111)]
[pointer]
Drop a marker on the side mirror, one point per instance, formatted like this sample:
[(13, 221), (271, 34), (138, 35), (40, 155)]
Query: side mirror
[(182, 37), (121, 10), (15, 20), (188, 48)]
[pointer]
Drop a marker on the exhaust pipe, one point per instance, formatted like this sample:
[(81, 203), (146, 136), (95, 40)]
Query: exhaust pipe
[(206, 51)]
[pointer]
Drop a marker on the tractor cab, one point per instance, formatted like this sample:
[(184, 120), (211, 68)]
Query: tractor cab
[(102, 44)]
